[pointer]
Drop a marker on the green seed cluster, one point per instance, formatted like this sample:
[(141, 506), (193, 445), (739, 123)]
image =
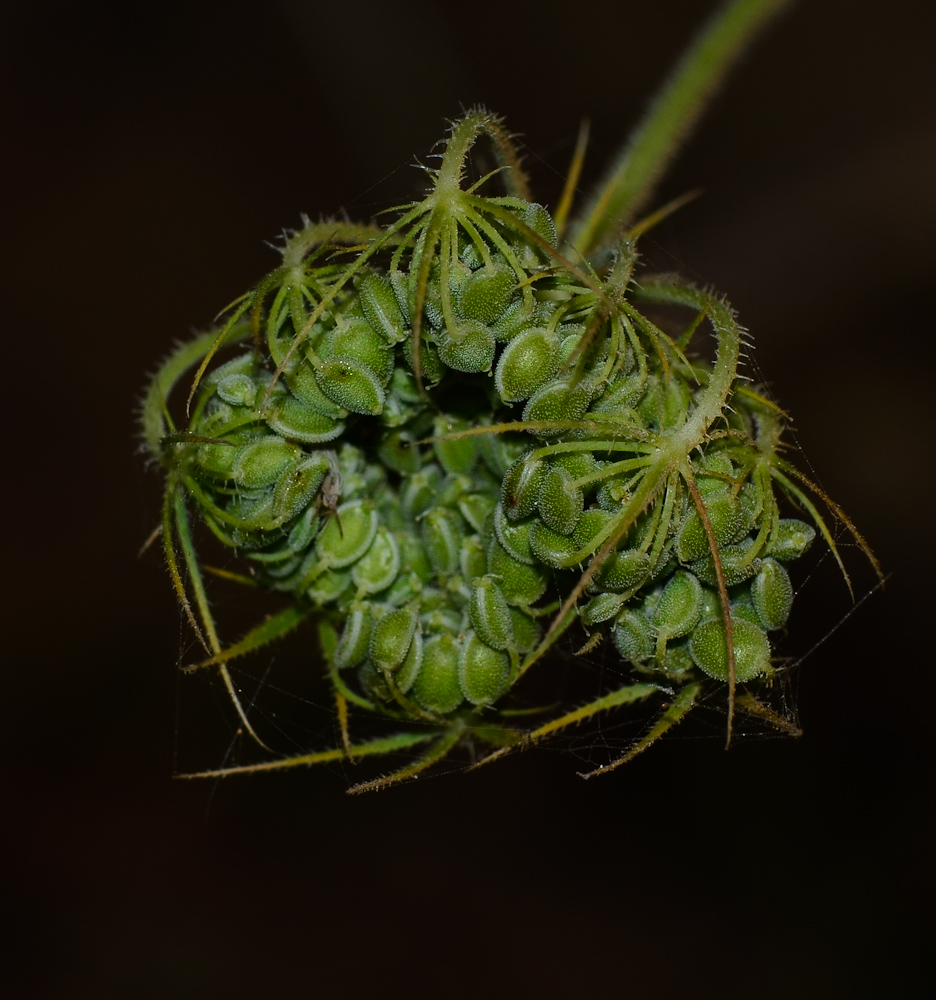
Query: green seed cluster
[(447, 430)]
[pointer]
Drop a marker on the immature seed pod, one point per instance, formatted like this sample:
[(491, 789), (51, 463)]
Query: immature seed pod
[(413, 556), (475, 508), (514, 535), (728, 521), (791, 539), (302, 383), (357, 339), (355, 638), (709, 649), (678, 660), (526, 631), (601, 608), (398, 451), (560, 504), (302, 533), (521, 487), (456, 457), (517, 317), (520, 583), (379, 565), (486, 293), (589, 525), (558, 400), (352, 384), (436, 687), (469, 347), (392, 637), (263, 461), (296, 487), (530, 360), (541, 222), (430, 366), (420, 492), (578, 464), (679, 607), (742, 606), (483, 672), (472, 559), (405, 589), (348, 535), (736, 566), (381, 308), (238, 390), (621, 394), (442, 533), (625, 570), (549, 546), (328, 587), (772, 594), (633, 637), (294, 420), (409, 669), (441, 620), (496, 453), (490, 614), (217, 460)]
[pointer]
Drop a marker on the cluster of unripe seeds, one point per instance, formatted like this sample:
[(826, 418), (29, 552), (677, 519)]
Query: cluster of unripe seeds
[(449, 441)]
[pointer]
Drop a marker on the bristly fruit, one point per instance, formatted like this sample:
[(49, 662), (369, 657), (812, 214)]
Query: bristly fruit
[(458, 435)]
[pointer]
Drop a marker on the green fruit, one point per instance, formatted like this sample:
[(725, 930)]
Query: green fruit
[(468, 347), (391, 638), (355, 638), (729, 523), (521, 583), (549, 546), (679, 607), (521, 487), (352, 384), (791, 539), (409, 669), (347, 535), (356, 339), (436, 687), (490, 614), (441, 533), (399, 452), (530, 360), (381, 308), (559, 401), (483, 672), (710, 650), (263, 461), (293, 419), (624, 570), (296, 487), (486, 293), (238, 390), (379, 565), (560, 504), (633, 637), (772, 594), (459, 456), (602, 608)]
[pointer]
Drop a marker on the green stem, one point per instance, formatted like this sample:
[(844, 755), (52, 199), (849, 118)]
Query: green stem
[(154, 413), (640, 163)]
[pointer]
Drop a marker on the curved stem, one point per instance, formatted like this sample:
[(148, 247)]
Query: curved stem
[(640, 163)]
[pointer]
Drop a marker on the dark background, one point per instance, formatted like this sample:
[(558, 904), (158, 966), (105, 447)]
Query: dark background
[(149, 151)]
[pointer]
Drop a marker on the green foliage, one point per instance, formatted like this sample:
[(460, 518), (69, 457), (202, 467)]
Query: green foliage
[(512, 447)]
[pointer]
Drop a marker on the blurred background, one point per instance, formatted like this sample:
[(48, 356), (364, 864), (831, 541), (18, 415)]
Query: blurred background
[(150, 151)]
